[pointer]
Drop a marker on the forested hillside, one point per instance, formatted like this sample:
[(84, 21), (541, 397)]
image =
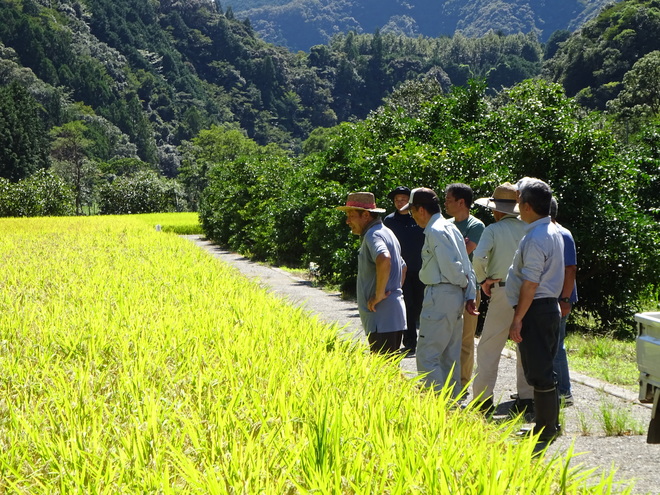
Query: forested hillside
[(144, 76), (301, 24)]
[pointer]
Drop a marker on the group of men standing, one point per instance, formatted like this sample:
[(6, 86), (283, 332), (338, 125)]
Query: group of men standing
[(415, 268)]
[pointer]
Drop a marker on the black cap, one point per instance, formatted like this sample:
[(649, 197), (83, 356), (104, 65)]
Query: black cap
[(421, 196), (399, 190)]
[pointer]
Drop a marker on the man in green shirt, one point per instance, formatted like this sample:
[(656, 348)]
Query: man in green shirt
[(458, 200)]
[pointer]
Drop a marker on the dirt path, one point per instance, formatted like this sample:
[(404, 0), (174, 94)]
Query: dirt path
[(583, 423)]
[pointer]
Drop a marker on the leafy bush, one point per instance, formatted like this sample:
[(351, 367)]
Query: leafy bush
[(41, 194), (533, 129), (143, 192)]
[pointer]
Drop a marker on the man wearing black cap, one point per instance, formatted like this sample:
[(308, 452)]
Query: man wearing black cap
[(450, 287), (411, 239)]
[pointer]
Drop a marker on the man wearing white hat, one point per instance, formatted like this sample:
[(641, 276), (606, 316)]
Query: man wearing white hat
[(450, 288), (491, 260), (381, 271)]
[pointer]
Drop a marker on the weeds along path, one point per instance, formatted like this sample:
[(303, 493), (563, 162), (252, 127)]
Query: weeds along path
[(607, 425)]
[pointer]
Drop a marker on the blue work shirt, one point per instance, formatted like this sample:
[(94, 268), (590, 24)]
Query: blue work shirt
[(390, 314), (539, 259)]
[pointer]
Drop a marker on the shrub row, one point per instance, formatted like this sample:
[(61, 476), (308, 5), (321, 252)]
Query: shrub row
[(282, 209), (42, 194)]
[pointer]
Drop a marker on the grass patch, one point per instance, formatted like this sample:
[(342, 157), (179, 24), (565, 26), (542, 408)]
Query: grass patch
[(605, 358), (186, 223), (133, 362)]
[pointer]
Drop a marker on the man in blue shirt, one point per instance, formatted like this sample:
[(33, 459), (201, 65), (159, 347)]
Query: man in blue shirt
[(533, 285), (411, 239), (381, 272), (450, 287), (567, 299)]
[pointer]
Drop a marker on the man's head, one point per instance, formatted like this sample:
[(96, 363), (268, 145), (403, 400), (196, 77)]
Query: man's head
[(399, 196), (503, 202), (554, 209), (458, 200), (534, 198), (423, 204), (360, 211)]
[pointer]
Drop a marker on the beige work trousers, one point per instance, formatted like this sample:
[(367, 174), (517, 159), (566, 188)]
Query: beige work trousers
[(467, 345), (493, 338)]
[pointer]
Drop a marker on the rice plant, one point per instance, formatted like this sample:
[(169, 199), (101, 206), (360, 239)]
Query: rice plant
[(133, 362)]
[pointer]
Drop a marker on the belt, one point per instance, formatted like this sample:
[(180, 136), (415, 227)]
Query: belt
[(545, 300), (501, 284)]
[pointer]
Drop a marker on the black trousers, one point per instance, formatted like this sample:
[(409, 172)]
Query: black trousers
[(413, 296), (540, 331), (384, 343)]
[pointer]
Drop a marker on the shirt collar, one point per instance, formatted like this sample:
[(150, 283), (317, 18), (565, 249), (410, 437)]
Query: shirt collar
[(540, 221), (375, 221)]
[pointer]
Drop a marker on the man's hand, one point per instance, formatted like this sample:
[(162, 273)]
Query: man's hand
[(471, 307), (375, 299), (487, 284), (514, 331), (565, 308)]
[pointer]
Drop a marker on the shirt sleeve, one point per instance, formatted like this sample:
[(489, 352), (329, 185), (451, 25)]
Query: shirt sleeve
[(481, 255), (534, 261), (448, 255), (475, 231), (570, 255)]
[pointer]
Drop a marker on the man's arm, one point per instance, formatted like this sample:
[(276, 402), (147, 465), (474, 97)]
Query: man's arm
[(570, 272), (383, 267), (527, 291)]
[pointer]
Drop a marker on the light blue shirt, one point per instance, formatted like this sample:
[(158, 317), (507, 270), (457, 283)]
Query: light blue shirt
[(539, 259), (390, 314), (444, 257)]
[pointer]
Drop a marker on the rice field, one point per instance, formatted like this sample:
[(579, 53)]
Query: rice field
[(133, 362)]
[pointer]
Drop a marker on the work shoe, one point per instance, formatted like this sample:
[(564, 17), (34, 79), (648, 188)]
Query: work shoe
[(487, 407), (522, 406), (566, 400)]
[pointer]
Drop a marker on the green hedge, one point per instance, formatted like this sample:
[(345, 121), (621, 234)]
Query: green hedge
[(143, 192), (41, 194), (282, 209)]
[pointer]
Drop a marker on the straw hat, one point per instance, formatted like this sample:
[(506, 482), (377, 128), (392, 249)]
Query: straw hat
[(504, 199), (361, 201)]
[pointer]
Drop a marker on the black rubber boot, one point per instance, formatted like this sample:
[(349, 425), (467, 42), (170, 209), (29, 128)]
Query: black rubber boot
[(546, 406)]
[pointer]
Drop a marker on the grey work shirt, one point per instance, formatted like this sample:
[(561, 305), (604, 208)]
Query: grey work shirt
[(444, 257), (390, 314), (498, 244), (539, 259)]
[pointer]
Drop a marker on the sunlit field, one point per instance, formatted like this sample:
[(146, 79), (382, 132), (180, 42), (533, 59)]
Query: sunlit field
[(133, 362)]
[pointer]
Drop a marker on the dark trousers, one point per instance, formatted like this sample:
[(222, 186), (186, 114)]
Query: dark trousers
[(413, 296), (540, 331), (384, 343)]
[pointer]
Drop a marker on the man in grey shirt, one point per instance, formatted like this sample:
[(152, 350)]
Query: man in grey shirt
[(533, 285), (381, 272)]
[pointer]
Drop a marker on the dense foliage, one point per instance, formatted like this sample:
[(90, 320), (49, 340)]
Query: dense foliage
[(142, 192), (592, 63), (531, 130), (41, 194)]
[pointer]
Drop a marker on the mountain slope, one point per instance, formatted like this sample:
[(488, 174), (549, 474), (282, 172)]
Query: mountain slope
[(300, 24)]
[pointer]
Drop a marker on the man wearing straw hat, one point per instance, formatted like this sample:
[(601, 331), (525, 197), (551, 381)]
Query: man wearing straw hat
[(381, 271), (491, 260), (450, 288)]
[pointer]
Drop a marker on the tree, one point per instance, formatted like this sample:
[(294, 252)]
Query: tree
[(23, 142), (70, 146)]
